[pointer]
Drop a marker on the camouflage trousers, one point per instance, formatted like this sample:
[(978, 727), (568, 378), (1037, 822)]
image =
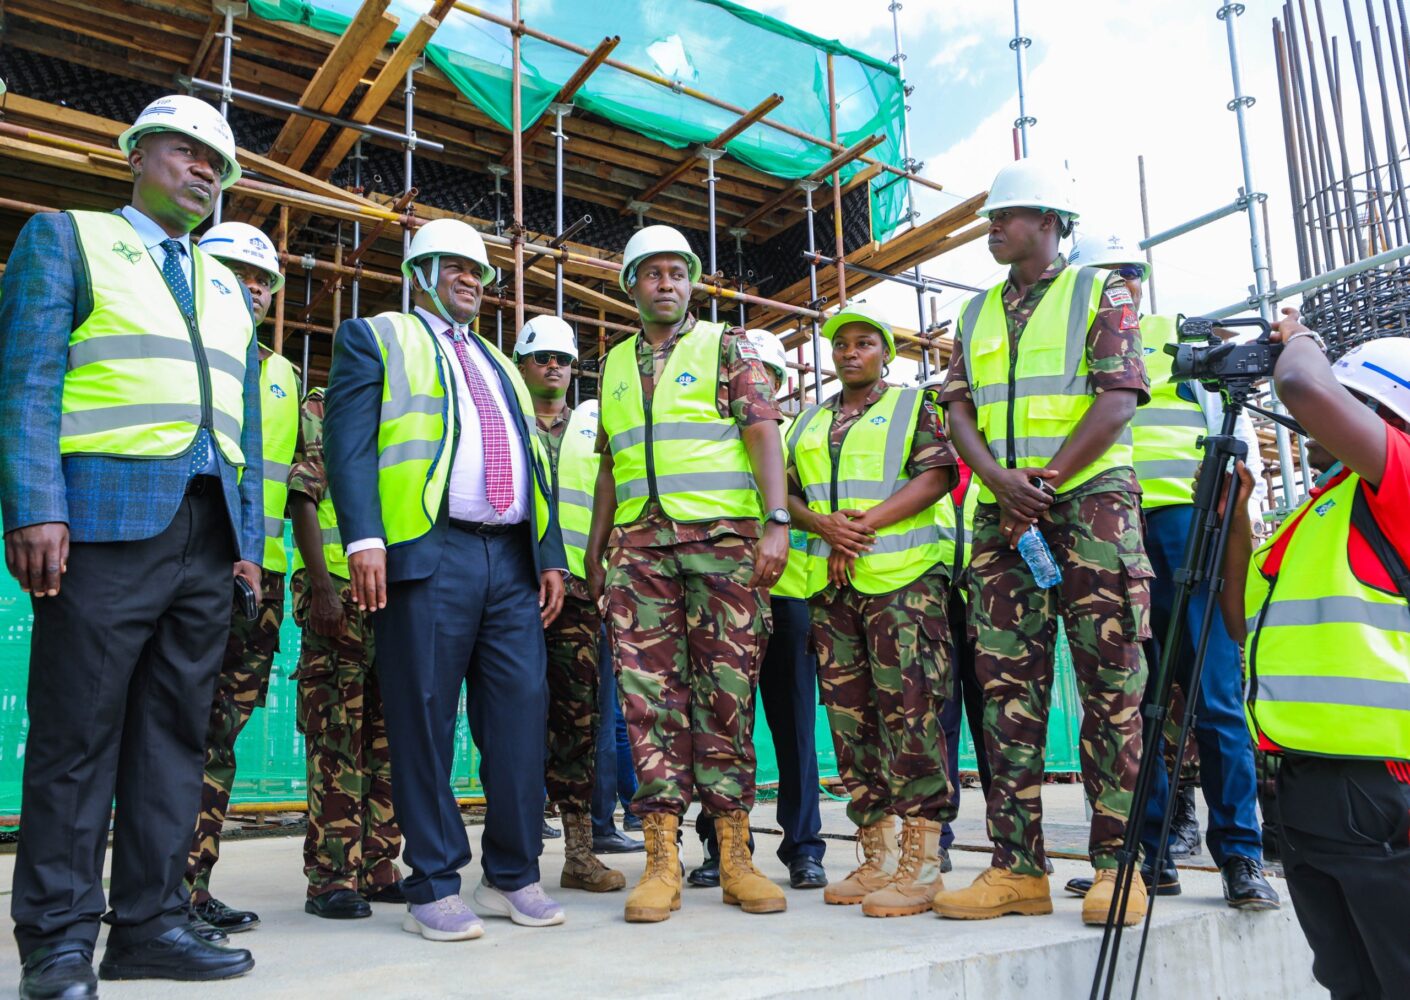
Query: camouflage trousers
[(572, 704), (1189, 766), (688, 636), (352, 840), (239, 690), (1104, 601), (884, 666)]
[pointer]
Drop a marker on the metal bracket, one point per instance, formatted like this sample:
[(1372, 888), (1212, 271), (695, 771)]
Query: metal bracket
[(640, 208), (1223, 12), (235, 8), (411, 140), (1014, 43), (308, 261), (1245, 101), (709, 153), (816, 304), (808, 185), (1024, 121)]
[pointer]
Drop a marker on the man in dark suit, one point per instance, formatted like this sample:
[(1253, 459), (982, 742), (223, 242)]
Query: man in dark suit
[(129, 393), (442, 497)]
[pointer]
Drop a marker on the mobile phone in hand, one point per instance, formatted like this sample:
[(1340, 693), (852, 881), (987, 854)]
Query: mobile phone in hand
[(245, 601)]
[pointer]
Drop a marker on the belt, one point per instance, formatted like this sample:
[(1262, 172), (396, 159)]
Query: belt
[(483, 528), (198, 486)]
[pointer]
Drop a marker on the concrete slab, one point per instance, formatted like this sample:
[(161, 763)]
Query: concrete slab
[(1199, 947)]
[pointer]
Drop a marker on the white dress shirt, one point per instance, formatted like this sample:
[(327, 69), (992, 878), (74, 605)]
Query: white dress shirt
[(466, 485)]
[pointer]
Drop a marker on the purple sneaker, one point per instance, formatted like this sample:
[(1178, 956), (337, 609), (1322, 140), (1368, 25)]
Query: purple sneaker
[(447, 919), (527, 907)]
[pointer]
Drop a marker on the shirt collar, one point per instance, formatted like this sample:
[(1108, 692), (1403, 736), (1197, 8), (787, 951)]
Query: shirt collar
[(151, 234), (437, 322), (1058, 265), (557, 421), (877, 391)]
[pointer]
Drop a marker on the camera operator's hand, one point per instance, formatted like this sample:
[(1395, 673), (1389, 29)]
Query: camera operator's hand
[(1019, 499), (1290, 324)]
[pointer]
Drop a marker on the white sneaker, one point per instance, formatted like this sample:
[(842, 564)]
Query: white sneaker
[(527, 907), (447, 919)]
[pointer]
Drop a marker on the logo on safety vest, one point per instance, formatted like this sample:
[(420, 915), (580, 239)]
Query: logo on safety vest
[(588, 432), (220, 286), (685, 380), (878, 420), (1150, 350), (278, 391), (620, 391), (1322, 509), (132, 254)]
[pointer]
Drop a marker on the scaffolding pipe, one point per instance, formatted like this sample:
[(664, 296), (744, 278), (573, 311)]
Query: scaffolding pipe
[(308, 297), (559, 111), (516, 139), (836, 187), (1019, 44), (409, 95), (923, 282), (710, 156), (227, 41), (1239, 204), (808, 188), (357, 226), (739, 235), (911, 166), (1297, 288), (1146, 234)]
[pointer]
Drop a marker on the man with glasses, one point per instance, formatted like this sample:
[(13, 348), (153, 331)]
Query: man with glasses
[(545, 353)]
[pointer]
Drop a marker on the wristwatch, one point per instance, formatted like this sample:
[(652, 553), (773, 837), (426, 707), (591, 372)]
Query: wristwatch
[(1316, 339), (779, 515)]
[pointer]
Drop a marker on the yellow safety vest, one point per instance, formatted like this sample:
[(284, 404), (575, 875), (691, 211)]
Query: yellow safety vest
[(279, 427), (574, 479), (1164, 432), (678, 450), (1328, 657), (142, 378), (799, 579), (1029, 401), (870, 468), (416, 436)]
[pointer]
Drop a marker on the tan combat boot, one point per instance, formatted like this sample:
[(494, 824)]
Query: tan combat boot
[(879, 858), (1103, 896), (743, 884), (581, 869), (659, 891), (996, 892), (917, 877)]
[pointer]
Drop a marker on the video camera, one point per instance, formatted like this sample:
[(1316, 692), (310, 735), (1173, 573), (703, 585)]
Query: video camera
[(1203, 355)]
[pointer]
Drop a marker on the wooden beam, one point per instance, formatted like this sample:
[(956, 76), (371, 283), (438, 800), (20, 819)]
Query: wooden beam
[(686, 165), (844, 157), (569, 90)]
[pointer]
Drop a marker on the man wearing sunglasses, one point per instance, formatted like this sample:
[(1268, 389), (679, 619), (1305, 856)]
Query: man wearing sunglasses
[(545, 352), (1166, 435)]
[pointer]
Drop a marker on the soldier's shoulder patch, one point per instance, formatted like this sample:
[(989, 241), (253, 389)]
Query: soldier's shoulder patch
[(1119, 297), (746, 348)]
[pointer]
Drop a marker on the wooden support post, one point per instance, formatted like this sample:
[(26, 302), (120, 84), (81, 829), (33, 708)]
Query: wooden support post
[(566, 93), (841, 251)]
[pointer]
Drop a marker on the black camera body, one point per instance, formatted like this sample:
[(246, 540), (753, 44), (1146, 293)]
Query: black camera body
[(1216, 363)]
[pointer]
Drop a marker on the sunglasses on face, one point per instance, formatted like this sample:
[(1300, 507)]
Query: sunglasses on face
[(546, 358), (1131, 271)]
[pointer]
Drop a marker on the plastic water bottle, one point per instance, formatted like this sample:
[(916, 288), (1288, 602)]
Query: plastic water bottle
[(1035, 552)]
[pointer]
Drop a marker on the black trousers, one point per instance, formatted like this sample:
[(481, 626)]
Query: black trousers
[(1346, 854), (122, 670), (969, 695)]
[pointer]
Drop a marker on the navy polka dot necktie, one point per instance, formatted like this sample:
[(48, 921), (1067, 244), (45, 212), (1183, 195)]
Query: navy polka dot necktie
[(181, 289)]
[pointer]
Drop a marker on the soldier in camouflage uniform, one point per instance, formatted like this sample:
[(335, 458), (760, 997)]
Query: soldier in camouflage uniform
[(352, 843), (545, 352), (685, 564), (249, 651), (879, 621), (1090, 520)]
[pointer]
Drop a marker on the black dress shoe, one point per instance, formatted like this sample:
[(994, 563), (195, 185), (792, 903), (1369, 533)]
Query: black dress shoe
[(615, 842), (226, 918), (385, 893), (62, 971), (180, 953), (340, 904), (205, 931), (1184, 826), (551, 832), (1167, 885), (1245, 888), (707, 876), (806, 873)]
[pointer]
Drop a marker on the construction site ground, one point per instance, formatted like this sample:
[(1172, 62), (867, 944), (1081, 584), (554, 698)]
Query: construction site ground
[(1198, 948)]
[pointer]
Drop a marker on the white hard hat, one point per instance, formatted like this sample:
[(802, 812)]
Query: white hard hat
[(1379, 369), (860, 313), (546, 333), (1107, 249), (191, 116), (1032, 183), (650, 241), (770, 350), (244, 244), (450, 238)]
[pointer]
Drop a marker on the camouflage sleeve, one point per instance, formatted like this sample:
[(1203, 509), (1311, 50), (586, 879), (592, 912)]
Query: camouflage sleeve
[(1115, 357), (306, 475), (748, 390), (930, 448), (956, 387)]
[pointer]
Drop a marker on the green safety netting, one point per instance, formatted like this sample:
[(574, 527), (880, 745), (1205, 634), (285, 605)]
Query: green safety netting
[(270, 752), (714, 46)]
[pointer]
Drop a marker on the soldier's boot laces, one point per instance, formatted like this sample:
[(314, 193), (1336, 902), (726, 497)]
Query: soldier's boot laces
[(659, 891), (917, 877), (581, 868), (880, 855), (743, 884), (1103, 897), (995, 893)]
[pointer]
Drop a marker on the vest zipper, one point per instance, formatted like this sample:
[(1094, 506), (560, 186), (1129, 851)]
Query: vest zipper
[(1013, 383), (650, 455)]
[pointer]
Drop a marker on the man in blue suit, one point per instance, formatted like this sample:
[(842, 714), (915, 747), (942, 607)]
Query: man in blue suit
[(129, 395), (442, 497)]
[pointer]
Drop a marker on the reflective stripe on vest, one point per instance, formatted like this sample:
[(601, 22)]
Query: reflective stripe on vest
[(1029, 404), (418, 425), (799, 579), (679, 449), (141, 378), (1328, 656), (871, 466), (1164, 432), (279, 426), (575, 478)]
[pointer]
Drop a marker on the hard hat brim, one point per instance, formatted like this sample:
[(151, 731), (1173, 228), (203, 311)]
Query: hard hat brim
[(838, 320), (129, 138), (692, 263), (486, 270)]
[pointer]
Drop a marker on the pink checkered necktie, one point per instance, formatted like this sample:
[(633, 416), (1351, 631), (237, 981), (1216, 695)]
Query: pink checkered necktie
[(499, 466)]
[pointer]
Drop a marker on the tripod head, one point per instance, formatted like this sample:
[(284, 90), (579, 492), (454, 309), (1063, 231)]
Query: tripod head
[(1227, 367)]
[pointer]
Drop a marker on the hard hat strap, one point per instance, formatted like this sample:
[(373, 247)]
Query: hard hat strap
[(429, 287)]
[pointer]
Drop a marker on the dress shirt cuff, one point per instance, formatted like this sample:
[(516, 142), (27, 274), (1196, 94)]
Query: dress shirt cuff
[(364, 543)]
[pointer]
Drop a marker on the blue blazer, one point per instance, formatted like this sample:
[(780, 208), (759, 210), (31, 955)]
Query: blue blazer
[(351, 415), (46, 296)]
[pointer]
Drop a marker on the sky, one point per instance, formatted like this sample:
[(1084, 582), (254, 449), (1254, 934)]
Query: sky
[(1108, 81)]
